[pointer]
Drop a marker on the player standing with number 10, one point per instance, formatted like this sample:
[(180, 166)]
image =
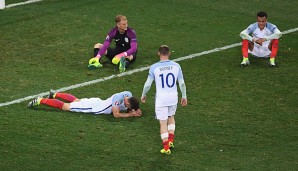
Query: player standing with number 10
[(166, 73)]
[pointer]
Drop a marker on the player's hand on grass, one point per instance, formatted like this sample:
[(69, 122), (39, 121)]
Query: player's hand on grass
[(93, 60), (94, 63)]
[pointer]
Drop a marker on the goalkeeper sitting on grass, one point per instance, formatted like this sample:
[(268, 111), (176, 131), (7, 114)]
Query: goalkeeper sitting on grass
[(125, 50)]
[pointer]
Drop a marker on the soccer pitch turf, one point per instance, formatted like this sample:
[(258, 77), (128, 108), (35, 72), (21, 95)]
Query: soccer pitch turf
[(237, 118)]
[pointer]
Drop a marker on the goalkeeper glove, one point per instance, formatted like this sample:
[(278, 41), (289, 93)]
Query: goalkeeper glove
[(93, 60), (94, 63)]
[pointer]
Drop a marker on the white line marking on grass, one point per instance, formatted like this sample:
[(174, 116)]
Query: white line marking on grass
[(130, 72), (290, 31), (21, 3), (207, 52)]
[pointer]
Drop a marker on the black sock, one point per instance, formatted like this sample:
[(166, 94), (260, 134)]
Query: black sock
[(127, 63), (96, 50)]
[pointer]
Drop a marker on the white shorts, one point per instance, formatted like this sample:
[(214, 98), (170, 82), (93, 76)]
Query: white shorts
[(91, 105), (163, 112), (261, 51)]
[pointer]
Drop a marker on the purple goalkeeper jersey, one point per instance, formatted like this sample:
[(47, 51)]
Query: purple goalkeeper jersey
[(126, 42)]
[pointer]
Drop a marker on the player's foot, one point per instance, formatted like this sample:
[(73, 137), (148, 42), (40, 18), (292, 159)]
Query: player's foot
[(95, 65), (171, 145), (122, 64), (34, 102), (165, 151), (245, 62), (52, 94), (271, 62)]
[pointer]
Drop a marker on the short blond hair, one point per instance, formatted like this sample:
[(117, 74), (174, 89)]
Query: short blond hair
[(164, 50), (120, 18)]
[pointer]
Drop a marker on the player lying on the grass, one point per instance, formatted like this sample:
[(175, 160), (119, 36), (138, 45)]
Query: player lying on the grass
[(126, 47), (263, 42), (123, 101), (166, 73)]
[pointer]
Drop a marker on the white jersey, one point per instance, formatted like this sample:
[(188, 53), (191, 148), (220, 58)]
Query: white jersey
[(98, 106), (165, 74), (258, 33)]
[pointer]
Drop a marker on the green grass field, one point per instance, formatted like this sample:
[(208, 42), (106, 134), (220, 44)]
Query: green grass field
[(237, 118)]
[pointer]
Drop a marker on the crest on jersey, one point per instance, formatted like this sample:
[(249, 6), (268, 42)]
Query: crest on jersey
[(116, 103), (126, 39)]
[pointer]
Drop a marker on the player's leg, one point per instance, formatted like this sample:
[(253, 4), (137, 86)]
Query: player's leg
[(130, 59), (53, 103), (96, 49), (273, 47), (66, 107), (125, 62), (49, 102), (171, 124), (87, 105), (111, 53), (246, 45), (65, 96), (119, 60), (171, 130), (162, 116), (164, 134)]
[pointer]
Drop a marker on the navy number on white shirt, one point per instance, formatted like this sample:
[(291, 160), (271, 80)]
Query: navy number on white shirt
[(170, 80)]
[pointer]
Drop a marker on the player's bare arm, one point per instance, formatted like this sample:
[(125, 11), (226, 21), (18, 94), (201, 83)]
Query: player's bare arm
[(136, 112), (118, 114)]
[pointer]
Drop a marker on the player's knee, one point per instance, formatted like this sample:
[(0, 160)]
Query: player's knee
[(98, 45), (77, 100), (244, 41), (66, 107), (131, 58), (275, 41)]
